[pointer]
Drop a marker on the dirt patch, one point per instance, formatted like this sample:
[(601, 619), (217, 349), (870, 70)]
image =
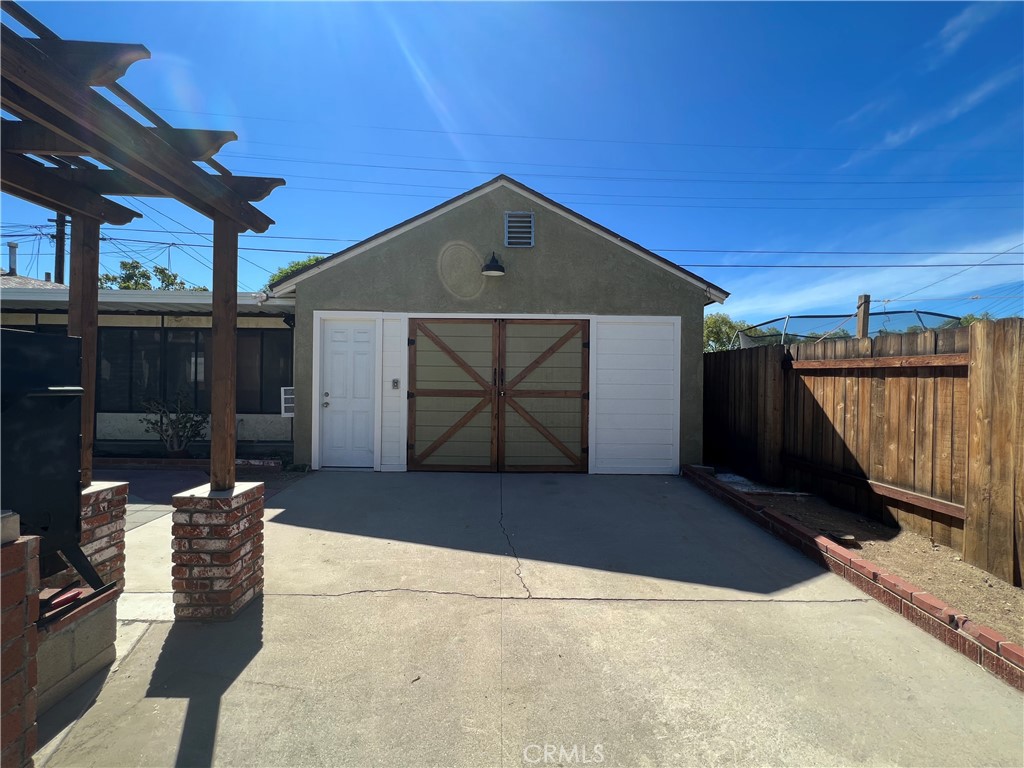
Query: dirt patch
[(933, 567)]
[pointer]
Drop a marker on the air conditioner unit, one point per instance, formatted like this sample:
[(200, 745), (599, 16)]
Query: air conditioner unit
[(288, 402)]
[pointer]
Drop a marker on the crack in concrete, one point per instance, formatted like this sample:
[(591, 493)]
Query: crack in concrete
[(508, 537), (569, 599)]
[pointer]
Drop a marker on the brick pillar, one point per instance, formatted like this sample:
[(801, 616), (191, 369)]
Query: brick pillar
[(19, 564), (218, 551), (103, 521)]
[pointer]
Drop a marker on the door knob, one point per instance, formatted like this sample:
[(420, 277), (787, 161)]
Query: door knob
[(326, 404)]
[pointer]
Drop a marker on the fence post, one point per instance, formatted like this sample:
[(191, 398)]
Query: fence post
[(774, 403), (992, 394), (864, 316)]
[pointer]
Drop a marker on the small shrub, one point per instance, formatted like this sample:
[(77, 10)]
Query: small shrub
[(176, 425)]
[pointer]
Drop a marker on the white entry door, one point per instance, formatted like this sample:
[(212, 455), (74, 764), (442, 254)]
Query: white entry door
[(347, 399)]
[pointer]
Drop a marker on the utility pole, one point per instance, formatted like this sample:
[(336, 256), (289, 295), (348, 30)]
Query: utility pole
[(58, 253), (863, 316)]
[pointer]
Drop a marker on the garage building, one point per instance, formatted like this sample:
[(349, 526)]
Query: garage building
[(499, 331)]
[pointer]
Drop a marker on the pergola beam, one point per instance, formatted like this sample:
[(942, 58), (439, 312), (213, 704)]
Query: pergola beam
[(251, 188), (35, 87), (99, 64), (29, 180), (28, 138)]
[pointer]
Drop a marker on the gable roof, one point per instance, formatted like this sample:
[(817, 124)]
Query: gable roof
[(7, 281), (286, 285)]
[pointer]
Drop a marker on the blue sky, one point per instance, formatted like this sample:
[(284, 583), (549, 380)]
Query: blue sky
[(691, 128)]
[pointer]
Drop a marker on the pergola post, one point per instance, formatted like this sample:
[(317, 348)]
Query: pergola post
[(83, 308), (225, 345)]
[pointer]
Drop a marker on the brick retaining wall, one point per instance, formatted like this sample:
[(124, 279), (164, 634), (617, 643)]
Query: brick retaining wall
[(19, 565), (977, 642), (103, 522)]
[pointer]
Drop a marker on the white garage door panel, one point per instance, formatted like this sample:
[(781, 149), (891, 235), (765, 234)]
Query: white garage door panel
[(636, 421), (660, 328), (662, 434), (639, 391), (638, 452), (628, 377), (644, 466), (631, 407), (620, 362), (634, 346), (635, 395)]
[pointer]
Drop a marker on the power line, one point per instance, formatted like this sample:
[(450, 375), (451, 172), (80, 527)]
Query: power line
[(582, 177), (629, 169), (952, 298), (588, 140), (721, 266), (981, 263), (634, 197), (667, 205), (923, 177), (207, 237), (151, 261), (854, 252)]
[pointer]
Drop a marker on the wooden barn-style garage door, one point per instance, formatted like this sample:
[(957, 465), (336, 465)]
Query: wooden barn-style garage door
[(509, 395)]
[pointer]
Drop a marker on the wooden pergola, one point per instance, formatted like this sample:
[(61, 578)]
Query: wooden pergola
[(71, 147)]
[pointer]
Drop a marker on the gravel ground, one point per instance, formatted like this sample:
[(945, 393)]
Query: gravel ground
[(938, 569)]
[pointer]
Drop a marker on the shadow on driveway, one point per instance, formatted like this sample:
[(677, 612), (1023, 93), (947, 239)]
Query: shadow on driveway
[(199, 662), (659, 527)]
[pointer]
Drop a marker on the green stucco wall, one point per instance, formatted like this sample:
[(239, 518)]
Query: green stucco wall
[(435, 267)]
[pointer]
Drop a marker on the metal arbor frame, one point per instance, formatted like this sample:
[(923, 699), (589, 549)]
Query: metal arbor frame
[(52, 156)]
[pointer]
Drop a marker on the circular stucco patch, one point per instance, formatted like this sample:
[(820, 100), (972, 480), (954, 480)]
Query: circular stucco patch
[(459, 268)]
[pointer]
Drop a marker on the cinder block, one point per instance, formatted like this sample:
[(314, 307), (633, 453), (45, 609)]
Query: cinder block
[(55, 658), (94, 634)]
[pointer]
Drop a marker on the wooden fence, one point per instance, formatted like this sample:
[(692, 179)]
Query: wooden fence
[(924, 431)]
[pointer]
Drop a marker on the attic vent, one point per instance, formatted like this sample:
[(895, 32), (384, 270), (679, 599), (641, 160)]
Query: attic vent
[(288, 402), (519, 229)]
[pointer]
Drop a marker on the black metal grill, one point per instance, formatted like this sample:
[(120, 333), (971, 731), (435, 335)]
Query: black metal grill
[(40, 439)]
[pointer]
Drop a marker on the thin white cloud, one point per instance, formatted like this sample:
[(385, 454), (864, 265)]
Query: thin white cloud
[(959, 29), (794, 292), (869, 109), (961, 106)]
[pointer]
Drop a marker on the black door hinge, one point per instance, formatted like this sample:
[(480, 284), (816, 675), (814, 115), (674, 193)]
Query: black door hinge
[(412, 342), (586, 345), (410, 395), (586, 395)]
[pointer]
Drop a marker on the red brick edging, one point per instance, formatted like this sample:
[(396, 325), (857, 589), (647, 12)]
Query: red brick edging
[(979, 643)]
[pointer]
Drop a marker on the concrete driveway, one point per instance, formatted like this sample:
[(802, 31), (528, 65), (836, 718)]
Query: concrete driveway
[(516, 620)]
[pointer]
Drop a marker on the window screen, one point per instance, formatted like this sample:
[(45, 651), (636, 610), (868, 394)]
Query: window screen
[(147, 359), (113, 370)]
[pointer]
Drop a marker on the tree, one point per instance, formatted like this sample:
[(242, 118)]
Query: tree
[(135, 277), (719, 331), (966, 320), (836, 333), (292, 268)]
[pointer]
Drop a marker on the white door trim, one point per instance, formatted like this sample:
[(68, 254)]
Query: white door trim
[(320, 316)]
